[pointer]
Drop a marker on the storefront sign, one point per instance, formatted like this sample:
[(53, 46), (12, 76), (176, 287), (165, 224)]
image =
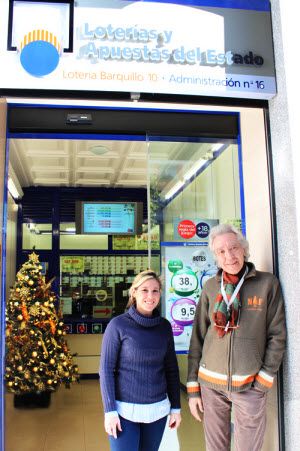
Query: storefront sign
[(212, 48)]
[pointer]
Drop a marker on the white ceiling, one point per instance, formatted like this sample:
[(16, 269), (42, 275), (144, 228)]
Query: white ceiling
[(74, 163)]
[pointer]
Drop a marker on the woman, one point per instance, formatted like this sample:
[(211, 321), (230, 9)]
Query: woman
[(237, 345), (139, 374)]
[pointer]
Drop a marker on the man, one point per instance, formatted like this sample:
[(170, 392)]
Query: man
[(237, 346)]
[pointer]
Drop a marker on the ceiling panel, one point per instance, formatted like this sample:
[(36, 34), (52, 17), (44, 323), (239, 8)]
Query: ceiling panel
[(75, 163)]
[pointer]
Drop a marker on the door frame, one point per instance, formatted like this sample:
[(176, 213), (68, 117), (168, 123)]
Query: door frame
[(256, 167)]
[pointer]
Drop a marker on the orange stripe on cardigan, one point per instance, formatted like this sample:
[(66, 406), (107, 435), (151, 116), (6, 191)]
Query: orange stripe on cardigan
[(213, 380), (239, 383), (235, 383), (193, 389), (263, 381)]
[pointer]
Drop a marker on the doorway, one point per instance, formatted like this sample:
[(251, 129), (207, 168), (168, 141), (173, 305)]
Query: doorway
[(193, 175)]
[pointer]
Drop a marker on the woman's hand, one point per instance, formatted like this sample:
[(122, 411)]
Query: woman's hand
[(196, 406), (112, 424), (175, 420)]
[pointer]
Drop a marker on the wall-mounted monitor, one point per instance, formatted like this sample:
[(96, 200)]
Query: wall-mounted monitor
[(109, 218)]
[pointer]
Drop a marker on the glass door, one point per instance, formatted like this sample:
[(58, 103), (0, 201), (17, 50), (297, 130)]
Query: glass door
[(194, 185)]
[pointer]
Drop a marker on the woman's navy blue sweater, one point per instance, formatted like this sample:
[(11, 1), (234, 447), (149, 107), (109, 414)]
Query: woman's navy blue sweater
[(138, 361)]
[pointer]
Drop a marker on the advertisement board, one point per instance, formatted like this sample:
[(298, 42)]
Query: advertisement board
[(186, 270), (210, 48), (186, 266)]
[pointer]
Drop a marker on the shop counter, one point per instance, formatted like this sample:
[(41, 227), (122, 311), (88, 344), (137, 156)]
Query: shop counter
[(88, 350)]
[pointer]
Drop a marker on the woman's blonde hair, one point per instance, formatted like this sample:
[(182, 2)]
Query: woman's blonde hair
[(139, 279)]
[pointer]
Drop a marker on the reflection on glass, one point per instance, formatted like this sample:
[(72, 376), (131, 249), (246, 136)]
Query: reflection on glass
[(69, 240), (96, 286), (193, 180), (194, 186), (36, 235)]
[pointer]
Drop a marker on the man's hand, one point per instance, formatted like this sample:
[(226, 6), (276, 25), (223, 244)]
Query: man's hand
[(196, 406)]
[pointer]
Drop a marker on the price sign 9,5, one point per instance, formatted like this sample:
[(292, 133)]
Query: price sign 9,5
[(183, 311)]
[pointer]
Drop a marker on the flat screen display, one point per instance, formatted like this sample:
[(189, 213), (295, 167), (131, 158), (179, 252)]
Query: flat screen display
[(109, 218)]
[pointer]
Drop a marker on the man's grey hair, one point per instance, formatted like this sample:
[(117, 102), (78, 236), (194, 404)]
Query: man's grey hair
[(221, 229)]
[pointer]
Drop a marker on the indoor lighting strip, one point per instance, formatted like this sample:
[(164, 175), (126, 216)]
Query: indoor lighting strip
[(195, 170)]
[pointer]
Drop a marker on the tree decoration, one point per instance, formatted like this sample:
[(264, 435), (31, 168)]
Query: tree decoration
[(37, 354)]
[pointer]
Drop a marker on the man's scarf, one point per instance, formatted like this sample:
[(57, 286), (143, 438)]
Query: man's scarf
[(223, 317)]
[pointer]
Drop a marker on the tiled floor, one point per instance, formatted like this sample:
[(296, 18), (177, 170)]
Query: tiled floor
[(74, 422)]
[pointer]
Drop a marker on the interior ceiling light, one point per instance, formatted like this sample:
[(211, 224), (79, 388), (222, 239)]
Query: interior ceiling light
[(14, 191), (70, 229), (217, 147), (98, 150), (194, 169), (174, 189), (13, 184)]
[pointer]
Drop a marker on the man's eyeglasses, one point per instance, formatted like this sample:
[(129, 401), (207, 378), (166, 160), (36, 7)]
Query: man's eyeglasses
[(234, 249)]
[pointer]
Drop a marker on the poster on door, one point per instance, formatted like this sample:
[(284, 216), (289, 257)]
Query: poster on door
[(193, 229), (186, 268)]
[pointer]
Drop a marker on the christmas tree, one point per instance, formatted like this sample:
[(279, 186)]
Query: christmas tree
[(37, 355)]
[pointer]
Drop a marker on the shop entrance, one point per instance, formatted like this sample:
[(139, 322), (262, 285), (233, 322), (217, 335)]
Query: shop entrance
[(196, 174)]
